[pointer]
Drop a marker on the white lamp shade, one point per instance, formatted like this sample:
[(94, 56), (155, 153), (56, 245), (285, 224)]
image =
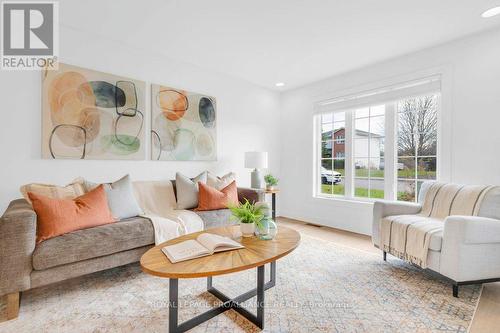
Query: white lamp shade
[(256, 160)]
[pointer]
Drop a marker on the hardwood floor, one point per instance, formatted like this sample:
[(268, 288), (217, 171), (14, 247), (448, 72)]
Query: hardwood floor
[(487, 316), (337, 236)]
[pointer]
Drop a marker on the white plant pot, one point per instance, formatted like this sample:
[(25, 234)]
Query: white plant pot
[(247, 229)]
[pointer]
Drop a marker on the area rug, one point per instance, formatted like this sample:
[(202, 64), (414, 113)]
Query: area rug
[(321, 287)]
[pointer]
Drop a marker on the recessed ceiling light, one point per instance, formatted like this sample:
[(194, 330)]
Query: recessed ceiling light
[(280, 84), (491, 12)]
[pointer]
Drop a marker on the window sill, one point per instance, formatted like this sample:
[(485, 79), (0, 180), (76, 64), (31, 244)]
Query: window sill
[(366, 201)]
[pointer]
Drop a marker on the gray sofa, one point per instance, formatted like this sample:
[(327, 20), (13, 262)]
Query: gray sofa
[(25, 265)]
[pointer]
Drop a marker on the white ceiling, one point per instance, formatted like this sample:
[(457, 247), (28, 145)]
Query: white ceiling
[(269, 41)]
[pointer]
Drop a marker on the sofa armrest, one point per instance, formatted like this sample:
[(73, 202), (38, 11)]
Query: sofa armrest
[(472, 229), (383, 208), (251, 194), (17, 243), (471, 248)]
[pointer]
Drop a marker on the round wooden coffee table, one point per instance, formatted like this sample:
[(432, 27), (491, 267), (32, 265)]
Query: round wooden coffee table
[(256, 253)]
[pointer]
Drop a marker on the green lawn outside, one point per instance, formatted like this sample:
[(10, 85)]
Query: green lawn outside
[(363, 192), (421, 174), (358, 192)]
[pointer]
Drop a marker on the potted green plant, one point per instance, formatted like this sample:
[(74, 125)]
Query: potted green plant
[(248, 215), (271, 182)]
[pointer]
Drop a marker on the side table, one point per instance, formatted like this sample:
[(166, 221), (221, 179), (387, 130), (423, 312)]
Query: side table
[(273, 198)]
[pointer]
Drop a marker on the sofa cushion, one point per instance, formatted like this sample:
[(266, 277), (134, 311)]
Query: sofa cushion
[(93, 242), (220, 182), (56, 217), (436, 241), (215, 218), (70, 191), (490, 206), (187, 190), (210, 198), (121, 198)]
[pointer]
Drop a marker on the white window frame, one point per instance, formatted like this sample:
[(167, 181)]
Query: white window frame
[(443, 153), (438, 143)]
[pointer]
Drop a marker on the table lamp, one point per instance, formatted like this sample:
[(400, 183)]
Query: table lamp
[(256, 160)]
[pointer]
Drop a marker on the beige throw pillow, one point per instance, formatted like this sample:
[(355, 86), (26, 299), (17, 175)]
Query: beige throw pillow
[(220, 182), (70, 191)]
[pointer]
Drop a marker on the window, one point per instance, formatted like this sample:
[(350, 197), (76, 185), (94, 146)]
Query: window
[(332, 153), (416, 144), (373, 149), (368, 144)]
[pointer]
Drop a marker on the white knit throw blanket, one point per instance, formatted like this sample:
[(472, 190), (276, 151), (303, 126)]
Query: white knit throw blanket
[(408, 236), (157, 200)]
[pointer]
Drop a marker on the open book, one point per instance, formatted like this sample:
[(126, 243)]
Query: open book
[(204, 245)]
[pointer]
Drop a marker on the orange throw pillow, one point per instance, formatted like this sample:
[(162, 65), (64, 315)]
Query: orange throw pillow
[(59, 216), (210, 198)]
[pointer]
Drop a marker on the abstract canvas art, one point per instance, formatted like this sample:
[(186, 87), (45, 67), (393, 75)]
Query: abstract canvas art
[(183, 125), (88, 114)]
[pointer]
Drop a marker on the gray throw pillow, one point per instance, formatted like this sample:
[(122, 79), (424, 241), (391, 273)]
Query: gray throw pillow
[(187, 190), (120, 195)]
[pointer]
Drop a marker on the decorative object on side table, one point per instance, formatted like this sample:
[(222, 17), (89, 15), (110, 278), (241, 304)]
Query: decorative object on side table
[(248, 215), (271, 182), (256, 160), (266, 228)]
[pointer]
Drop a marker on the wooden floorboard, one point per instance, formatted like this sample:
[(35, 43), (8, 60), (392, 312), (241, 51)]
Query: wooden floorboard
[(487, 316)]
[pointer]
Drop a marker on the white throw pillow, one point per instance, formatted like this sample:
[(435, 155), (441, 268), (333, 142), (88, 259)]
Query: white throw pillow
[(187, 190), (120, 196), (220, 182)]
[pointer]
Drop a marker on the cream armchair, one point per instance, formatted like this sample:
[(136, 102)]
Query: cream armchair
[(467, 250)]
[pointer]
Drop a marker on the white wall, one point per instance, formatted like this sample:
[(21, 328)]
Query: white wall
[(471, 93), (248, 116)]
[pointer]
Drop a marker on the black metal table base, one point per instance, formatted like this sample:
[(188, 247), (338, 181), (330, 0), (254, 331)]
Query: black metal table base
[(228, 303)]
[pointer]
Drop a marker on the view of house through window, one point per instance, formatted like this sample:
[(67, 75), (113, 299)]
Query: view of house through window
[(414, 160), (333, 153), (368, 144)]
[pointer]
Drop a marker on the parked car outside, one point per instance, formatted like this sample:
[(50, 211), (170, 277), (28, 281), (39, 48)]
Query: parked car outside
[(330, 177)]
